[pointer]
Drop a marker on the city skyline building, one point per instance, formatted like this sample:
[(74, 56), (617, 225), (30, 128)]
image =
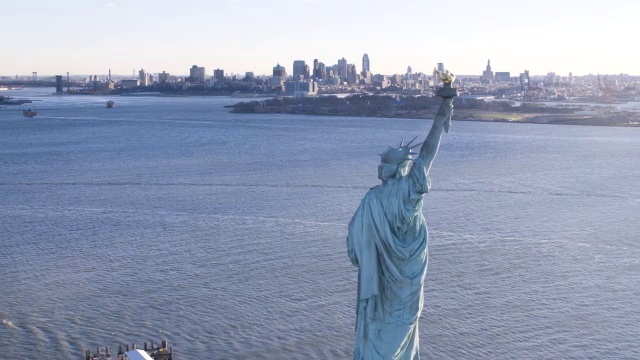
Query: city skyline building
[(197, 74), (503, 76), (487, 74), (525, 81), (342, 68), (218, 74), (366, 65), (163, 77), (279, 71), (143, 77), (300, 70)]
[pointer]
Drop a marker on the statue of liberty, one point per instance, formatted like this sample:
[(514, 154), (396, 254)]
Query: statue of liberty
[(387, 241)]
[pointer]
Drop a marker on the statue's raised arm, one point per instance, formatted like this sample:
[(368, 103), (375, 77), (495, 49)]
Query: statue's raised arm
[(442, 120)]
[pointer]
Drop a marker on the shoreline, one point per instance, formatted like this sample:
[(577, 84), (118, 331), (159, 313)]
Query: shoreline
[(426, 108)]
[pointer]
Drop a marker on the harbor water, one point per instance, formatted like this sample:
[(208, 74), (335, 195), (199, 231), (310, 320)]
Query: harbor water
[(170, 218)]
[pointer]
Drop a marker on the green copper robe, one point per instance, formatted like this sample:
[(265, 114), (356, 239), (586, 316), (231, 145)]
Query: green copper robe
[(388, 242)]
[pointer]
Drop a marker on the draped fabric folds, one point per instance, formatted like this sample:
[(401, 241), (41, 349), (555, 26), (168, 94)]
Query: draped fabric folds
[(387, 241)]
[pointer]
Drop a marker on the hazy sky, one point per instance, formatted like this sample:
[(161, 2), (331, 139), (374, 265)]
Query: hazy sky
[(92, 36)]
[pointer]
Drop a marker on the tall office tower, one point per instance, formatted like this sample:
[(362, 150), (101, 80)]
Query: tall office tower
[(279, 71), (306, 71), (487, 74), (218, 74), (342, 68), (524, 80), (366, 66), (352, 74), (409, 73), (299, 69), (331, 72), (143, 76), (321, 72), (197, 74), (163, 77), (314, 73), (570, 77), (441, 67)]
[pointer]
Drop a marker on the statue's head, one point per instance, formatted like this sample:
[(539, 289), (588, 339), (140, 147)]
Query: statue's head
[(395, 161)]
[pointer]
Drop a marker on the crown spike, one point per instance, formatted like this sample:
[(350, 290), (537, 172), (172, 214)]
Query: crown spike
[(412, 140), (415, 146), (401, 143)]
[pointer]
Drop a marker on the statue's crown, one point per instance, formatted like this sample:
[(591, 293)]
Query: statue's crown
[(398, 155)]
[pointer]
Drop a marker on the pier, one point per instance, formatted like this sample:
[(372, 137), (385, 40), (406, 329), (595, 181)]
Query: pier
[(162, 352)]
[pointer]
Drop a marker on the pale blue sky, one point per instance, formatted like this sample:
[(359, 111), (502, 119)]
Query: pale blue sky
[(91, 36)]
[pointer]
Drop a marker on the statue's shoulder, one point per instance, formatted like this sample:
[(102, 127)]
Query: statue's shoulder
[(373, 193)]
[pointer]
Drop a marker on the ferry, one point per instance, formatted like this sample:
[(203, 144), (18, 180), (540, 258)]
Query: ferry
[(110, 104), (29, 113)]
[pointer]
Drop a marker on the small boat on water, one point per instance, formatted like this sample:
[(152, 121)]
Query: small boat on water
[(110, 104), (29, 113)]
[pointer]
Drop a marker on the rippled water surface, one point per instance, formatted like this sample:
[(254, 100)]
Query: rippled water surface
[(171, 218)]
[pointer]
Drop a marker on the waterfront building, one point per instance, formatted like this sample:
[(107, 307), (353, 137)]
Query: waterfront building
[(218, 75), (143, 76), (300, 70), (163, 77), (129, 83), (279, 71), (301, 88), (197, 74), (366, 66)]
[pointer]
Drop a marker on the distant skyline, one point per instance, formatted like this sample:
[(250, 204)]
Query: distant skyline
[(93, 36)]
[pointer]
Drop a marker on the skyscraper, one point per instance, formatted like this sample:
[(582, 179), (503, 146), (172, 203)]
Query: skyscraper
[(143, 76), (299, 69), (279, 71), (218, 74), (342, 68), (365, 63), (197, 74)]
